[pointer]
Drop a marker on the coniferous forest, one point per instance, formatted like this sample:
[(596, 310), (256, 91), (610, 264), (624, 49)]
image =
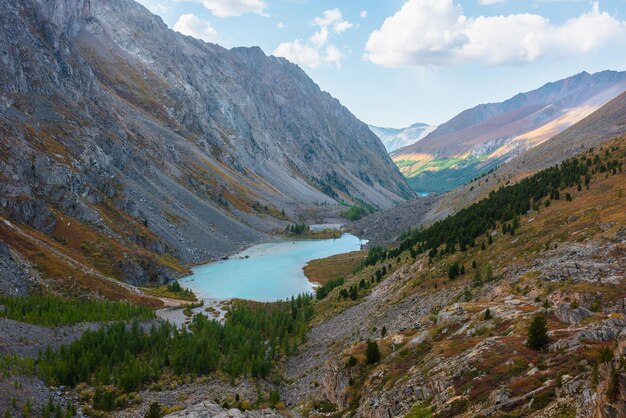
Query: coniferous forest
[(502, 206), (252, 337), (50, 311)]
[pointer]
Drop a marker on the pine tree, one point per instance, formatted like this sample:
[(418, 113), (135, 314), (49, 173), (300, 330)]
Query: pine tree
[(453, 271), (372, 353), (477, 280), (538, 333)]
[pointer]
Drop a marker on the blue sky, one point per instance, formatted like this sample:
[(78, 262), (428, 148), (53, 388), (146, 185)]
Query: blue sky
[(397, 62)]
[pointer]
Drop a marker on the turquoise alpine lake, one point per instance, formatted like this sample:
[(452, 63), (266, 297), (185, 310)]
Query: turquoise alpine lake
[(266, 272)]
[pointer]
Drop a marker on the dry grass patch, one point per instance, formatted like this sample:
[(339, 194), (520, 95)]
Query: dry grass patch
[(341, 265)]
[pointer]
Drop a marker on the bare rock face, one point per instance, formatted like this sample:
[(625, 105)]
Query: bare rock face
[(16, 276), (159, 140), (335, 386), (571, 316)]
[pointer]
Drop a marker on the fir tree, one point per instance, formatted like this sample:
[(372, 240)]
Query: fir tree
[(372, 353), (538, 333)]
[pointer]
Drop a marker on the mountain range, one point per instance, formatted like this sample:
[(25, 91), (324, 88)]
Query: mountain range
[(394, 138), (483, 137), (125, 141)]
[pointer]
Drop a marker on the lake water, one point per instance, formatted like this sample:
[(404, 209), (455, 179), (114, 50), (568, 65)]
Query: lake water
[(272, 271)]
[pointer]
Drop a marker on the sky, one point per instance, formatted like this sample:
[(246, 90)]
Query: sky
[(398, 62)]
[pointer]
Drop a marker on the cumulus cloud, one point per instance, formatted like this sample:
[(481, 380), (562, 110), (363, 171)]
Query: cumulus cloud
[(363, 14), (227, 8), (436, 32), (317, 49), (191, 25), (488, 2)]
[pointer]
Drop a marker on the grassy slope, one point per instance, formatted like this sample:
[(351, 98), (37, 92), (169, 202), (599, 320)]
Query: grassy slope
[(594, 216)]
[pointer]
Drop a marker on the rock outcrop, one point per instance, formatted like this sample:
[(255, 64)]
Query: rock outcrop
[(566, 314), (211, 410)]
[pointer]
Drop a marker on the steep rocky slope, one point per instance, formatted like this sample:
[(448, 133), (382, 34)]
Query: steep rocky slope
[(487, 135), (394, 139), (129, 150), (441, 356)]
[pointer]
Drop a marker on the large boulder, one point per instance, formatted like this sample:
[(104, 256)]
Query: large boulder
[(566, 314)]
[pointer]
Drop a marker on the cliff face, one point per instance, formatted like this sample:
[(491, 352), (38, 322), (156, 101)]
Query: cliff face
[(147, 144)]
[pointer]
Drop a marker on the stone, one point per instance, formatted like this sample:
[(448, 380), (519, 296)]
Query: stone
[(499, 396), (572, 316)]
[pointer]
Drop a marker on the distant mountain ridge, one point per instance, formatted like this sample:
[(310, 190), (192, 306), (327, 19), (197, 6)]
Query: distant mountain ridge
[(487, 135), (394, 138)]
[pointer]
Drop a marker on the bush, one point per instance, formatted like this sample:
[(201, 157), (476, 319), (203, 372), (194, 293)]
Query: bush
[(274, 397), (351, 361), (538, 333), (372, 353), (605, 355), (477, 280), (154, 411), (488, 315)]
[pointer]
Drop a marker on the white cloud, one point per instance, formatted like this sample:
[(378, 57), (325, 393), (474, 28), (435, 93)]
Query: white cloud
[(363, 14), (317, 50), (159, 9), (332, 19), (280, 25), (436, 32), (227, 8), (488, 2), (191, 25), (300, 53)]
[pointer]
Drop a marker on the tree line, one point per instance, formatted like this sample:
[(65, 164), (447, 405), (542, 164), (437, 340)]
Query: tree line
[(52, 311), (503, 206)]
